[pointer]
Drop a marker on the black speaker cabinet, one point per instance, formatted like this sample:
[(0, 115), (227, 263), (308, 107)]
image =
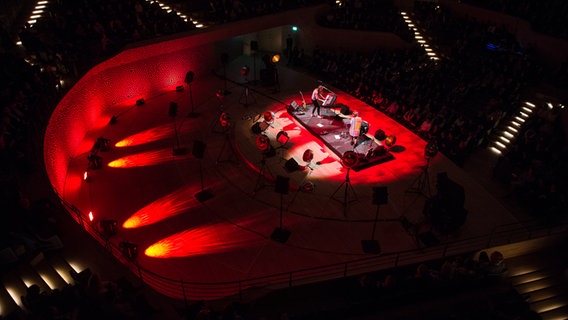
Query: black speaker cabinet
[(173, 109), (256, 128), (291, 165), (198, 149), (282, 185), (380, 195)]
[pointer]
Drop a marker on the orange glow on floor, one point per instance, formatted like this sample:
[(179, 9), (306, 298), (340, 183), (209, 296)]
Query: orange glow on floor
[(208, 239), (163, 208), (150, 135), (149, 158)]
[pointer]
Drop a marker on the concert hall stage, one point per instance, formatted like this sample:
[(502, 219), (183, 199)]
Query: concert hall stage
[(207, 248), (333, 130)]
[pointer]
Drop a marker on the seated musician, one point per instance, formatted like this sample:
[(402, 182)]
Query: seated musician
[(355, 127), (317, 97)]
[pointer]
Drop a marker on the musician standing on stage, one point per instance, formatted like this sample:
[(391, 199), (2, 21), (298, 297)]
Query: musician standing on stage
[(317, 95), (355, 127)]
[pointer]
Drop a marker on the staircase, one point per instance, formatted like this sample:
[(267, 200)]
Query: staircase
[(540, 278), (49, 273)]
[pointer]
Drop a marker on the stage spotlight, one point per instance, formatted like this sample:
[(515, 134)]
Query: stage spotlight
[(282, 137), (390, 140), (263, 142), (431, 150), (91, 216), (220, 94), (349, 159), (308, 156), (269, 117), (224, 120), (140, 102), (380, 135), (108, 227), (86, 177), (189, 77), (275, 58), (129, 250)]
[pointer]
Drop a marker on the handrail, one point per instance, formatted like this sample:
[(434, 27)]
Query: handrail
[(183, 290)]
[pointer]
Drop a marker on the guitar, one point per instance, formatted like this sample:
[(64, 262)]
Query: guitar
[(304, 105)]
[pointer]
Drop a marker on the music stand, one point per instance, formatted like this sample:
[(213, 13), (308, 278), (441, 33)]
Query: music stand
[(247, 97), (227, 143), (261, 179), (263, 144), (244, 99), (189, 79), (349, 159), (198, 151), (282, 186), (421, 184), (307, 157), (380, 196)]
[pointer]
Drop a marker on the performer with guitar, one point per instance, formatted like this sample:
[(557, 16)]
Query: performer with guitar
[(317, 96)]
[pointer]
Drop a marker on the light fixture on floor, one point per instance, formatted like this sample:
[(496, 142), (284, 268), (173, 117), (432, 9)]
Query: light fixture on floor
[(129, 249)]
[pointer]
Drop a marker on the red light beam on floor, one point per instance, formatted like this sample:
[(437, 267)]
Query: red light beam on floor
[(208, 239), (163, 208), (144, 159), (150, 135)]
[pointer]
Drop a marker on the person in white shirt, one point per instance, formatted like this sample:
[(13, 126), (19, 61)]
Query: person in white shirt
[(355, 127)]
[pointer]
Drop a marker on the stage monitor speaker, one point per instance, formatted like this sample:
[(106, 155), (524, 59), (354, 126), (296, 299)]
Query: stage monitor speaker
[(254, 45), (344, 110), (256, 128), (380, 195), (198, 149), (282, 185), (291, 165), (380, 151), (173, 109)]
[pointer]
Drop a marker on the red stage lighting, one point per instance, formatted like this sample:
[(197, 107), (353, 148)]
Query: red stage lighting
[(269, 116), (308, 155), (390, 140), (282, 137), (431, 150), (349, 159), (224, 120), (263, 142)]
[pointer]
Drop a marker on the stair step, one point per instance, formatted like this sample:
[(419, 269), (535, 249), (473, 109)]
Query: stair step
[(50, 276), (30, 276), (530, 266), (63, 268), (546, 293), (529, 277), (556, 314), (529, 287), (550, 304), (7, 304), (15, 288)]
